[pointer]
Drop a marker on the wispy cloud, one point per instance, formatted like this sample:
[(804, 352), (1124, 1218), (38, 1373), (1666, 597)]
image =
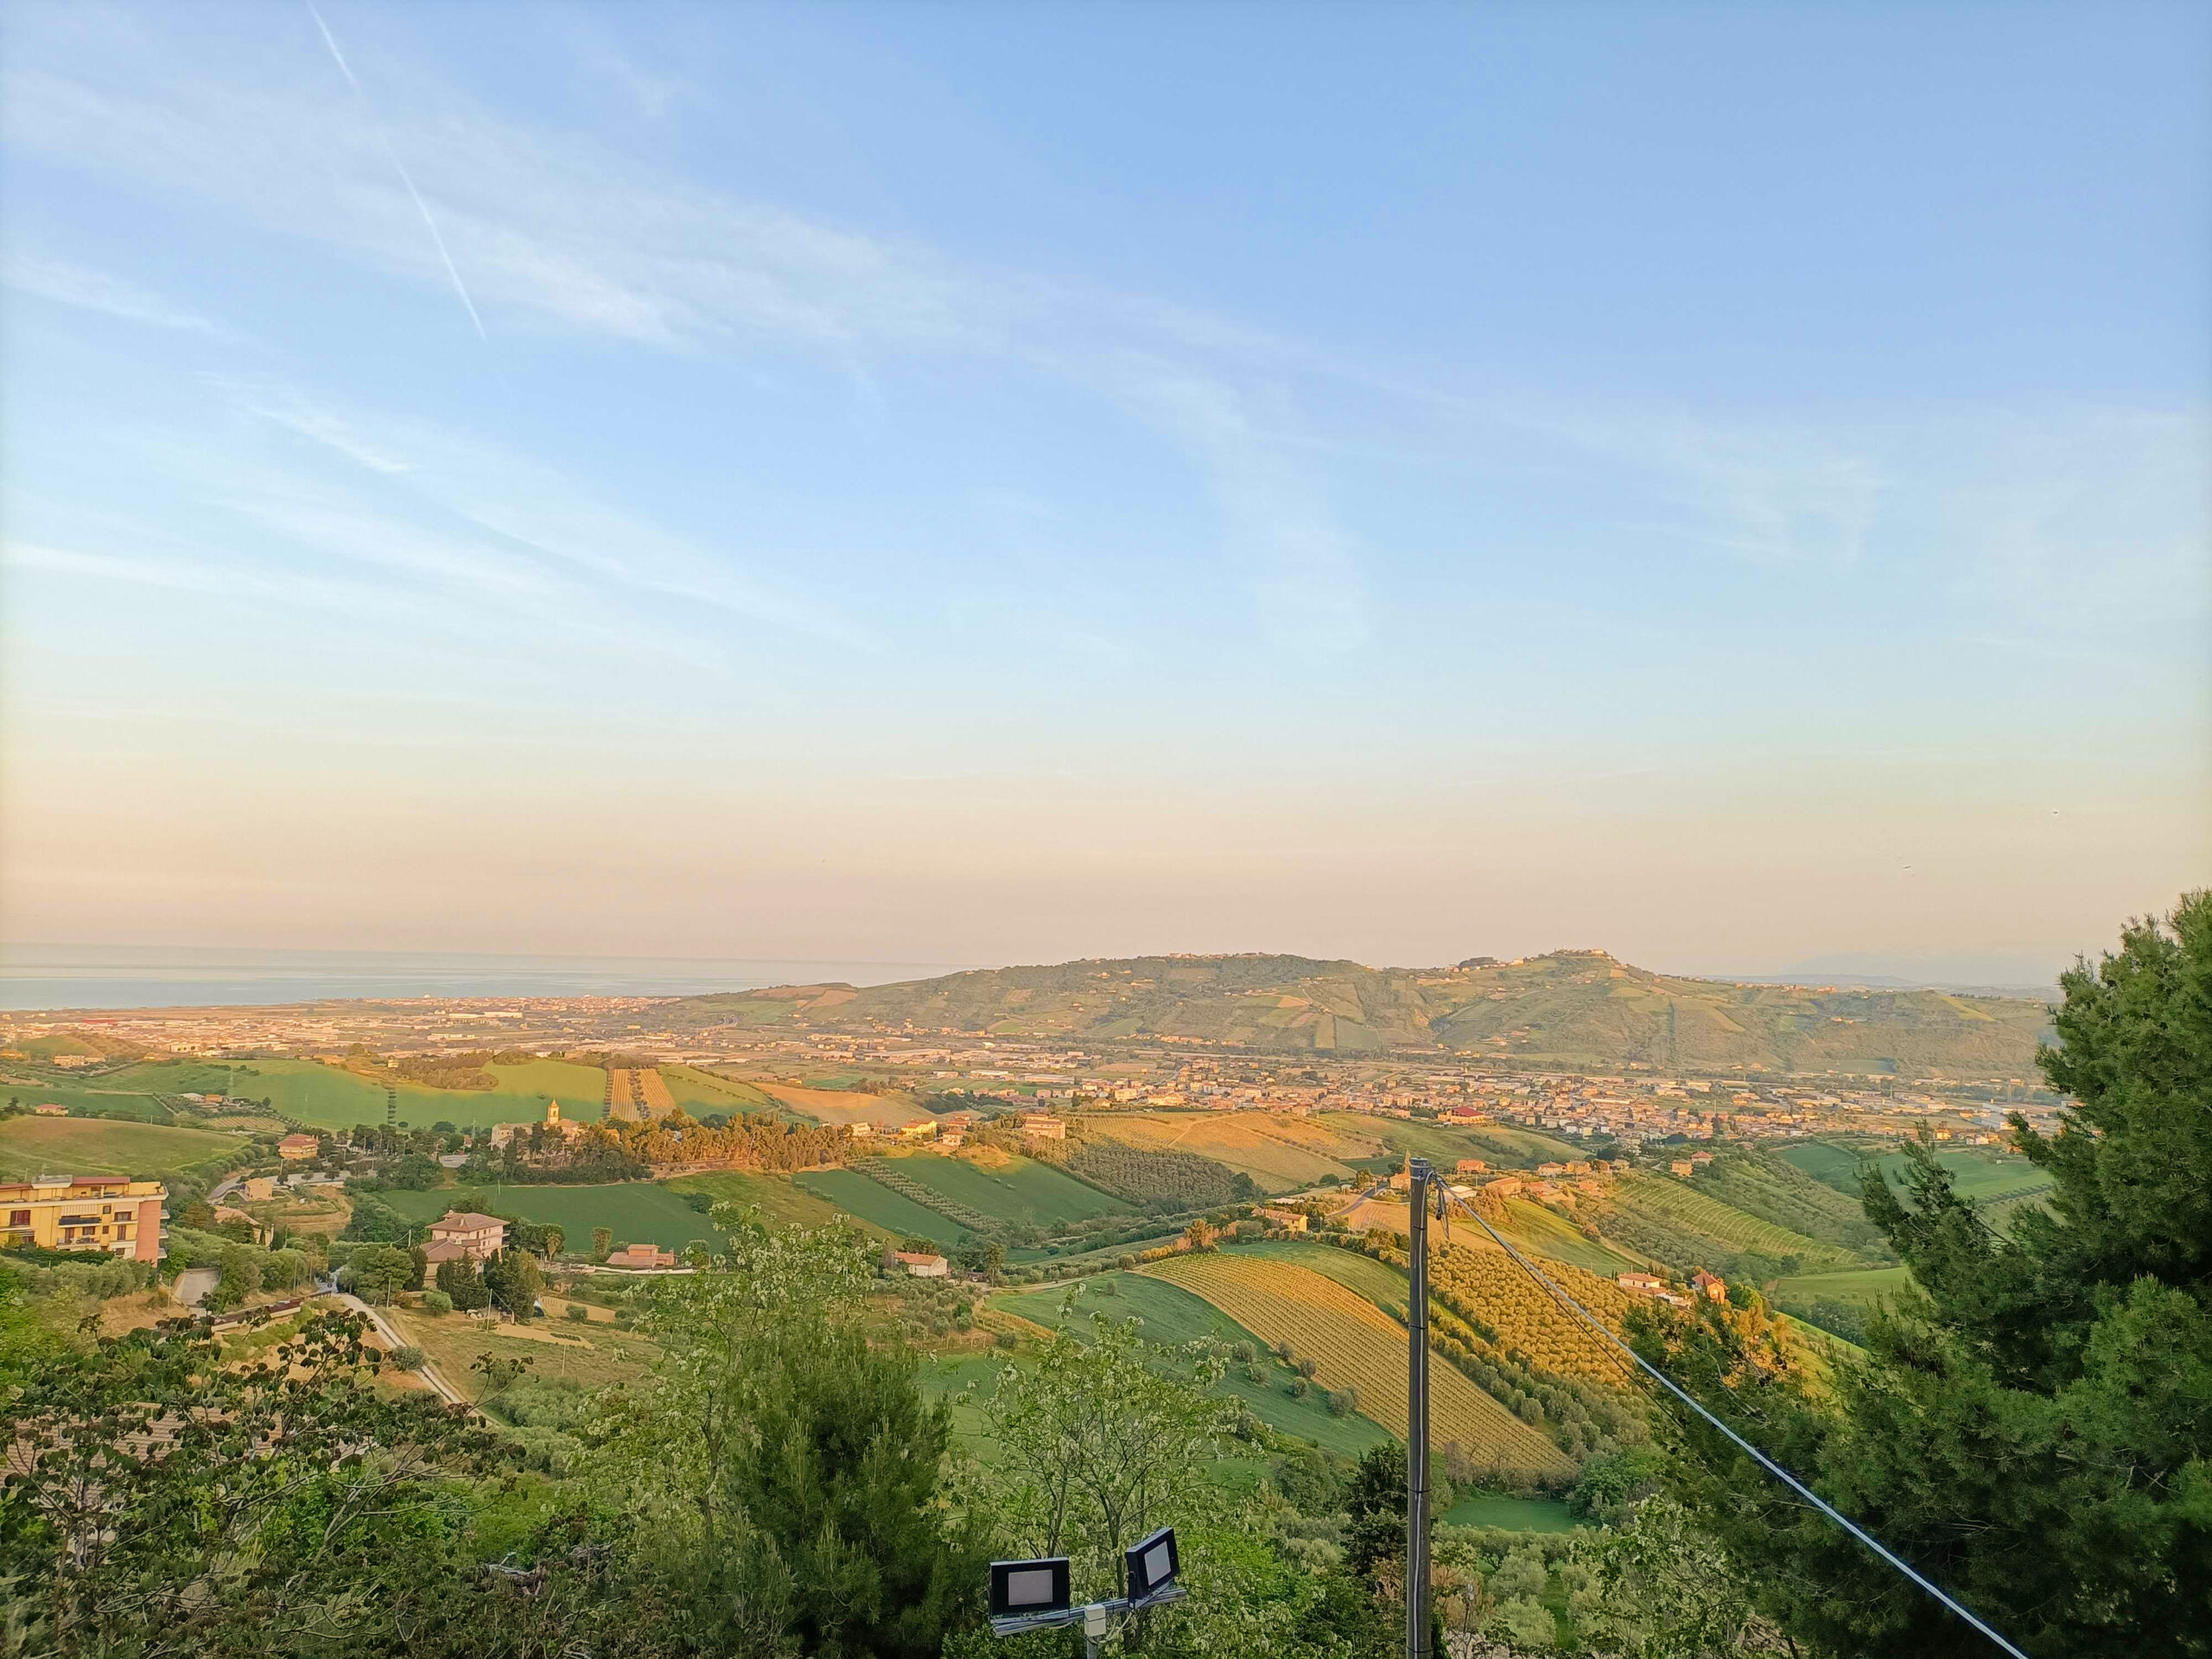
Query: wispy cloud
[(91, 291)]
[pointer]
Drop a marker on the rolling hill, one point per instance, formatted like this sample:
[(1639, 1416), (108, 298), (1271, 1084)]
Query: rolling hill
[(1572, 1007)]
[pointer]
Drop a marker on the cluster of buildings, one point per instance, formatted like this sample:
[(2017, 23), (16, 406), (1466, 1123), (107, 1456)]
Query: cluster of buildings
[(107, 1215)]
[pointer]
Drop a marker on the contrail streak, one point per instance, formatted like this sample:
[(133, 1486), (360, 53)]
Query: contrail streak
[(399, 166)]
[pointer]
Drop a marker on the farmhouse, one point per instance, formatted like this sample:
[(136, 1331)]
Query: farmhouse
[(924, 1266), (1289, 1220), (1711, 1286), (1648, 1284), (300, 1147), (465, 1235), (109, 1213), (1043, 1126), (51, 1110), (1472, 1166), (642, 1256)]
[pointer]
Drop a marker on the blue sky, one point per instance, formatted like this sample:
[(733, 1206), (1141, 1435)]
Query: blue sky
[(997, 483)]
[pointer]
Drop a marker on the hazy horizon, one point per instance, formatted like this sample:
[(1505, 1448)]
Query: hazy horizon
[(983, 485), (35, 977)]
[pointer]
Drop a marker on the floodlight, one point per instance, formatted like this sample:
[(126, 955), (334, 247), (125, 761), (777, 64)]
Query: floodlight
[(1152, 1564), (1039, 1586)]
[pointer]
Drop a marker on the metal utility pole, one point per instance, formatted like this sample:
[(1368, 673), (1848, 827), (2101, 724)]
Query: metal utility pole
[(1417, 1416)]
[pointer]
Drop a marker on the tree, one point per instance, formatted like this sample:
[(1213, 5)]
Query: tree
[(1102, 1440), (513, 1281), (460, 1279), (795, 1467), (382, 1271), (556, 1237), (2028, 1427), (259, 1519), (602, 1244)]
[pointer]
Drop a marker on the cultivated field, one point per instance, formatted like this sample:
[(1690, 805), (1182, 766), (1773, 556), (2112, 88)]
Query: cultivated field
[(66, 1146), (1280, 1154), (1021, 1190), (637, 1212), (700, 1092), (1537, 1231), (1982, 1174), (1445, 1144), (1379, 1282), (328, 1096), (781, 1202), (872, 1202), (1676, 1202), (1863, 1285), (836, 1106), (1174, 1316), (1499, 1291), (1359, 1347), (84, 1102)]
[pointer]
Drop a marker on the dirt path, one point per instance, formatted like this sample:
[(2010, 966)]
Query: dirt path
[(390, 1334)]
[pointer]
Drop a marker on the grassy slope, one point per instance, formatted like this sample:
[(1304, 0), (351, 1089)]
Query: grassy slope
[(1510, 1514), (1861, 1285), (594, 1354), (639, 1212), (65, 1146), (780, 1201), (700, 1092), (1024, 1191), (872, 1202), (1539, 1232), (1673, 1203), (89, 1102), (1977, 1173), (1171, 1317)]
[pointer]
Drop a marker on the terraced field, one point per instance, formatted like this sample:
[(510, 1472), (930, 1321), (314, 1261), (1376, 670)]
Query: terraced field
[(1280, 1154), (1682, 1207), (1174, 1316), (1359, 1347)]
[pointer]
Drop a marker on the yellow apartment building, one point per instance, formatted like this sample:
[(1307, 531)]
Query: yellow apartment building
[(108, 1213)]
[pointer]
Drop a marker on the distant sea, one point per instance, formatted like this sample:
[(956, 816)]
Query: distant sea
[(38, 976)]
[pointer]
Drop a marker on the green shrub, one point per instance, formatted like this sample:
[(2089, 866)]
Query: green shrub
[(579, 1312), (408, 1357), (436, 1301)]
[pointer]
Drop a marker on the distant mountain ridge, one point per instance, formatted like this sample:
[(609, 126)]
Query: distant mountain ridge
[(1570, 1008)]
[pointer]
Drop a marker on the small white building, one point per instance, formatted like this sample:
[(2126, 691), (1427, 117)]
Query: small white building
[(921, 1266)]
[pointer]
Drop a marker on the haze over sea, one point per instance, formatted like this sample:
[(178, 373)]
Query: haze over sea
[(35, 976)]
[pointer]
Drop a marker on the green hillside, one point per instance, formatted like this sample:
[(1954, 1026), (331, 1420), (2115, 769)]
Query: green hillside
[(1572, 1008)]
